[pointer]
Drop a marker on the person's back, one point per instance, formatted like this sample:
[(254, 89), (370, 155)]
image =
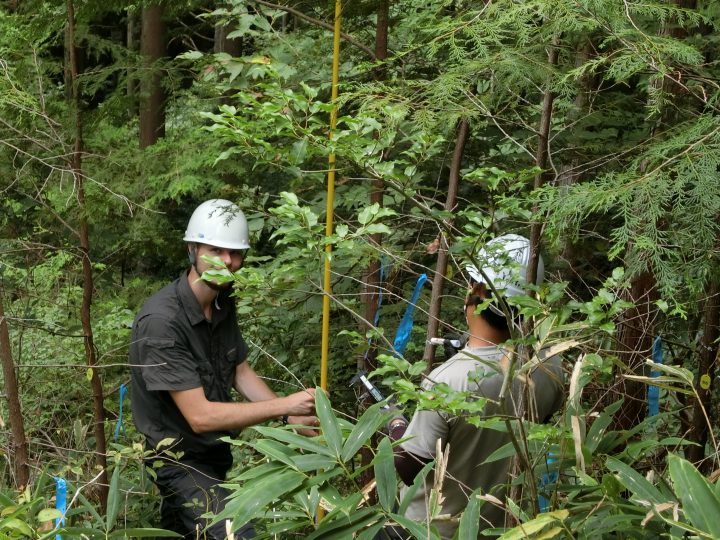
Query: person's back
[(479, 371), (499, 272)]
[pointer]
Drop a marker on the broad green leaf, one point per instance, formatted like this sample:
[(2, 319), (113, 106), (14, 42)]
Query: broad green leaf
[(417, 484), (313, 462), (255, 497), (144, 533), (371, 532), (470, 520), (418, 530), (48, 514), (18, 525), (635, 482), (504, 452), (328, 423), (114, 498), (530, 528), (295, 440), (345, 527), (700, 504), (385, 475), (366, 426), (274, 450), (367, 213)]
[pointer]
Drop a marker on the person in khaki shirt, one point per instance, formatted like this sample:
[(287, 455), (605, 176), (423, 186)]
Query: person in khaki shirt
[(479, 369)]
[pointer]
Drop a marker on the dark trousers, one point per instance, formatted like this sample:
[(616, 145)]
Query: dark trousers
[(189, 489)]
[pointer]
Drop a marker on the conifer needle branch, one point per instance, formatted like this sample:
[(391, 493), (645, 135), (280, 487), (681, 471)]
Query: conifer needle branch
[(300, 15)]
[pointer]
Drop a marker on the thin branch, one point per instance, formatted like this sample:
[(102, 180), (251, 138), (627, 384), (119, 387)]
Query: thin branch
[(300, 15)]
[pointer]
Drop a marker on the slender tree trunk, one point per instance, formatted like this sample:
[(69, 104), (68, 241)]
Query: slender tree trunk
[(221, 43), (542, 156), (636, 336), (132, 45), (153, 49), (18, 441), (371, 278), (442, 260), (90, 356), (706, 371)]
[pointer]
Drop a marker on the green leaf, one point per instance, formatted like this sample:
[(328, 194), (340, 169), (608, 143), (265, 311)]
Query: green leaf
[(148, 532), (254, 498), (293, 439), (366, 214), (418, 530), (18, 525), (328, 423), (529, 528), (470, 520), (700, 504), (417, 484), (366, 426), (345, 527), (48, 514), (385, 475), (635, 482), (114, 498)]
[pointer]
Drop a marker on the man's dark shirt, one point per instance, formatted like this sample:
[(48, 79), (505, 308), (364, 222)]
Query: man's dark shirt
[(175, 348)]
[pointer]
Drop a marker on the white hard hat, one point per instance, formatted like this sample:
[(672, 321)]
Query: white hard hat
[(504, 261), (218, 223)]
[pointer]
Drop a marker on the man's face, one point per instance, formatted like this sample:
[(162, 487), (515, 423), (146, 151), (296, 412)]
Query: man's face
[(233, 259)]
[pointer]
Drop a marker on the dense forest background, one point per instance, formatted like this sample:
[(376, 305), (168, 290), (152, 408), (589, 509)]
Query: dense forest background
[(590, 126)]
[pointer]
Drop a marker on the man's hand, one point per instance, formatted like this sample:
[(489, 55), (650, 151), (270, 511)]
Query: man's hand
[(311, 421), (301, 403)]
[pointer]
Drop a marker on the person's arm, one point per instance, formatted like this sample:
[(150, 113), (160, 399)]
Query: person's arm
[(254, 388), (204, 416), (407, 464), (424, 429)]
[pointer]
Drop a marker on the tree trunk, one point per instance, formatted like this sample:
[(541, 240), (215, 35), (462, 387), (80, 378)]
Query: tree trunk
[(153, 49), (442, 260), (542, 156), (90, 356), (132, 45), (635, 344), (18, 442), (638, 327), (221, 43), (371, 279), (706, 373)]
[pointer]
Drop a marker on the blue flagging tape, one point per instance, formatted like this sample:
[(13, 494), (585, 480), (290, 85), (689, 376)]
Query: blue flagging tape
[(548, 478), (119, 426), (60, 503), (653, 392), (403, 332)]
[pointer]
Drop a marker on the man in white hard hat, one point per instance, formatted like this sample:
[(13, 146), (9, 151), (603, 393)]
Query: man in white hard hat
[(186, 355), (478, 369)]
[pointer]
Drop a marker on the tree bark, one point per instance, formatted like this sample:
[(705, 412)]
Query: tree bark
[(371, 279), (84, 238), (153, 48), (542, 156), (131, 44), (442, 260), (635, 343), (18, 441), (706, 374)]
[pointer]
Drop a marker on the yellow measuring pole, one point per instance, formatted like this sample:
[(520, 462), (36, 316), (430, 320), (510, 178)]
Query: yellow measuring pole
[(327, 288)]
